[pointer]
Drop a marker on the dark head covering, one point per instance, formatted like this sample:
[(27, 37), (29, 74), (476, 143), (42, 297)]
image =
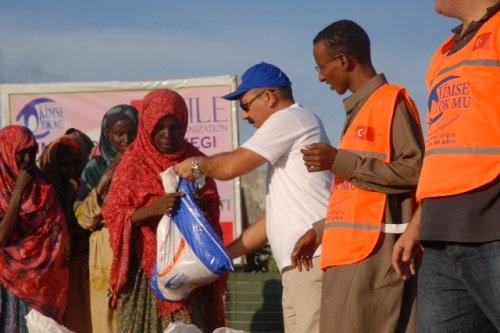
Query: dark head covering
[(49, 161), (98, 164)]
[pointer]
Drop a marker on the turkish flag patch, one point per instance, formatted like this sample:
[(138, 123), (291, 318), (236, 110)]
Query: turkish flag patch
[(483, 41), (365, 133)]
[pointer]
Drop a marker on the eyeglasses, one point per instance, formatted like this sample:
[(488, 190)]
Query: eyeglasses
[(245, 106), (319, 69)]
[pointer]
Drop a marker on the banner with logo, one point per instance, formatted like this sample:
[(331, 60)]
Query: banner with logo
[(51, 109)]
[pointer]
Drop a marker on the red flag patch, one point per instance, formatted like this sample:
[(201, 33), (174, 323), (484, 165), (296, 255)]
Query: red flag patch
[(365, 133), (483, 41)]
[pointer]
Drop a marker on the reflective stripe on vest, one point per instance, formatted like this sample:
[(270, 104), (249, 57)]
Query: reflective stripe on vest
[(471, 63), (468, 151), (462, 150), (354, 217), (391, 228)]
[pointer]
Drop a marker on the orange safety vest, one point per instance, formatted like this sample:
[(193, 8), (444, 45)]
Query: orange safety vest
[(354, 217), (462, 151)]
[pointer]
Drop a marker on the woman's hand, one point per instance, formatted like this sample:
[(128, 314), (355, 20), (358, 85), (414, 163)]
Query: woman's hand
[(102, 187), (166, 204), (23, 179), (8, 223)]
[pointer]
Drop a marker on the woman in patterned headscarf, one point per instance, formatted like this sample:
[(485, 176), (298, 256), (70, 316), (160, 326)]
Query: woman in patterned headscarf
[(133, 209), (34, 246), (118, 130), (61, 162)]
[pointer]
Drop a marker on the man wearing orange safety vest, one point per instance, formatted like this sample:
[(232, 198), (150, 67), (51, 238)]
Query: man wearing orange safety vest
[(458, 219), (376, 171)]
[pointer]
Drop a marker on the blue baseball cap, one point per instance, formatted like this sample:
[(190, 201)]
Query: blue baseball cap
[(262, 75)]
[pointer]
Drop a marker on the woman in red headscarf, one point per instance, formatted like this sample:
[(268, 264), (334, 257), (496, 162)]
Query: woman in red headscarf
[(34, 247), (135, 204)]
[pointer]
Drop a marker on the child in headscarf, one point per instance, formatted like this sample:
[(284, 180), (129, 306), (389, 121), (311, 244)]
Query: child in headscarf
[(133, 209), (118, 130), (34, 245)]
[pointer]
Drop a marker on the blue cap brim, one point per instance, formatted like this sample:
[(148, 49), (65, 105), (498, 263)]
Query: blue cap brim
[(235, 94)]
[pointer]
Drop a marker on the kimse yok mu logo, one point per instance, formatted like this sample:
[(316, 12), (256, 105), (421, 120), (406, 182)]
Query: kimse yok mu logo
[(42, 115), (451, 93)]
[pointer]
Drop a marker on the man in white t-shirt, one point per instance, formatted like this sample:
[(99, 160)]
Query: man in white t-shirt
[(295, 199)]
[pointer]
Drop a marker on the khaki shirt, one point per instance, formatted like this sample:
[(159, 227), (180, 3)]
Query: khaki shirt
[(398, 179)]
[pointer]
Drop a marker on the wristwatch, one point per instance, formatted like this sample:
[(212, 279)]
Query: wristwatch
[(195, 168)]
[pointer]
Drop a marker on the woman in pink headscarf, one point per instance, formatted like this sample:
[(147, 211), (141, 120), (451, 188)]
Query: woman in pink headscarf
[(135, 204), (34, 246)]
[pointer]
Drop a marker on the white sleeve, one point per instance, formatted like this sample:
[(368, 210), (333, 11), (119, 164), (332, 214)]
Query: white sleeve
[(276, 136)]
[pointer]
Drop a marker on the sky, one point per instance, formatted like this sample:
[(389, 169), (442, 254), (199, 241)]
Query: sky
[(80, 41)]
